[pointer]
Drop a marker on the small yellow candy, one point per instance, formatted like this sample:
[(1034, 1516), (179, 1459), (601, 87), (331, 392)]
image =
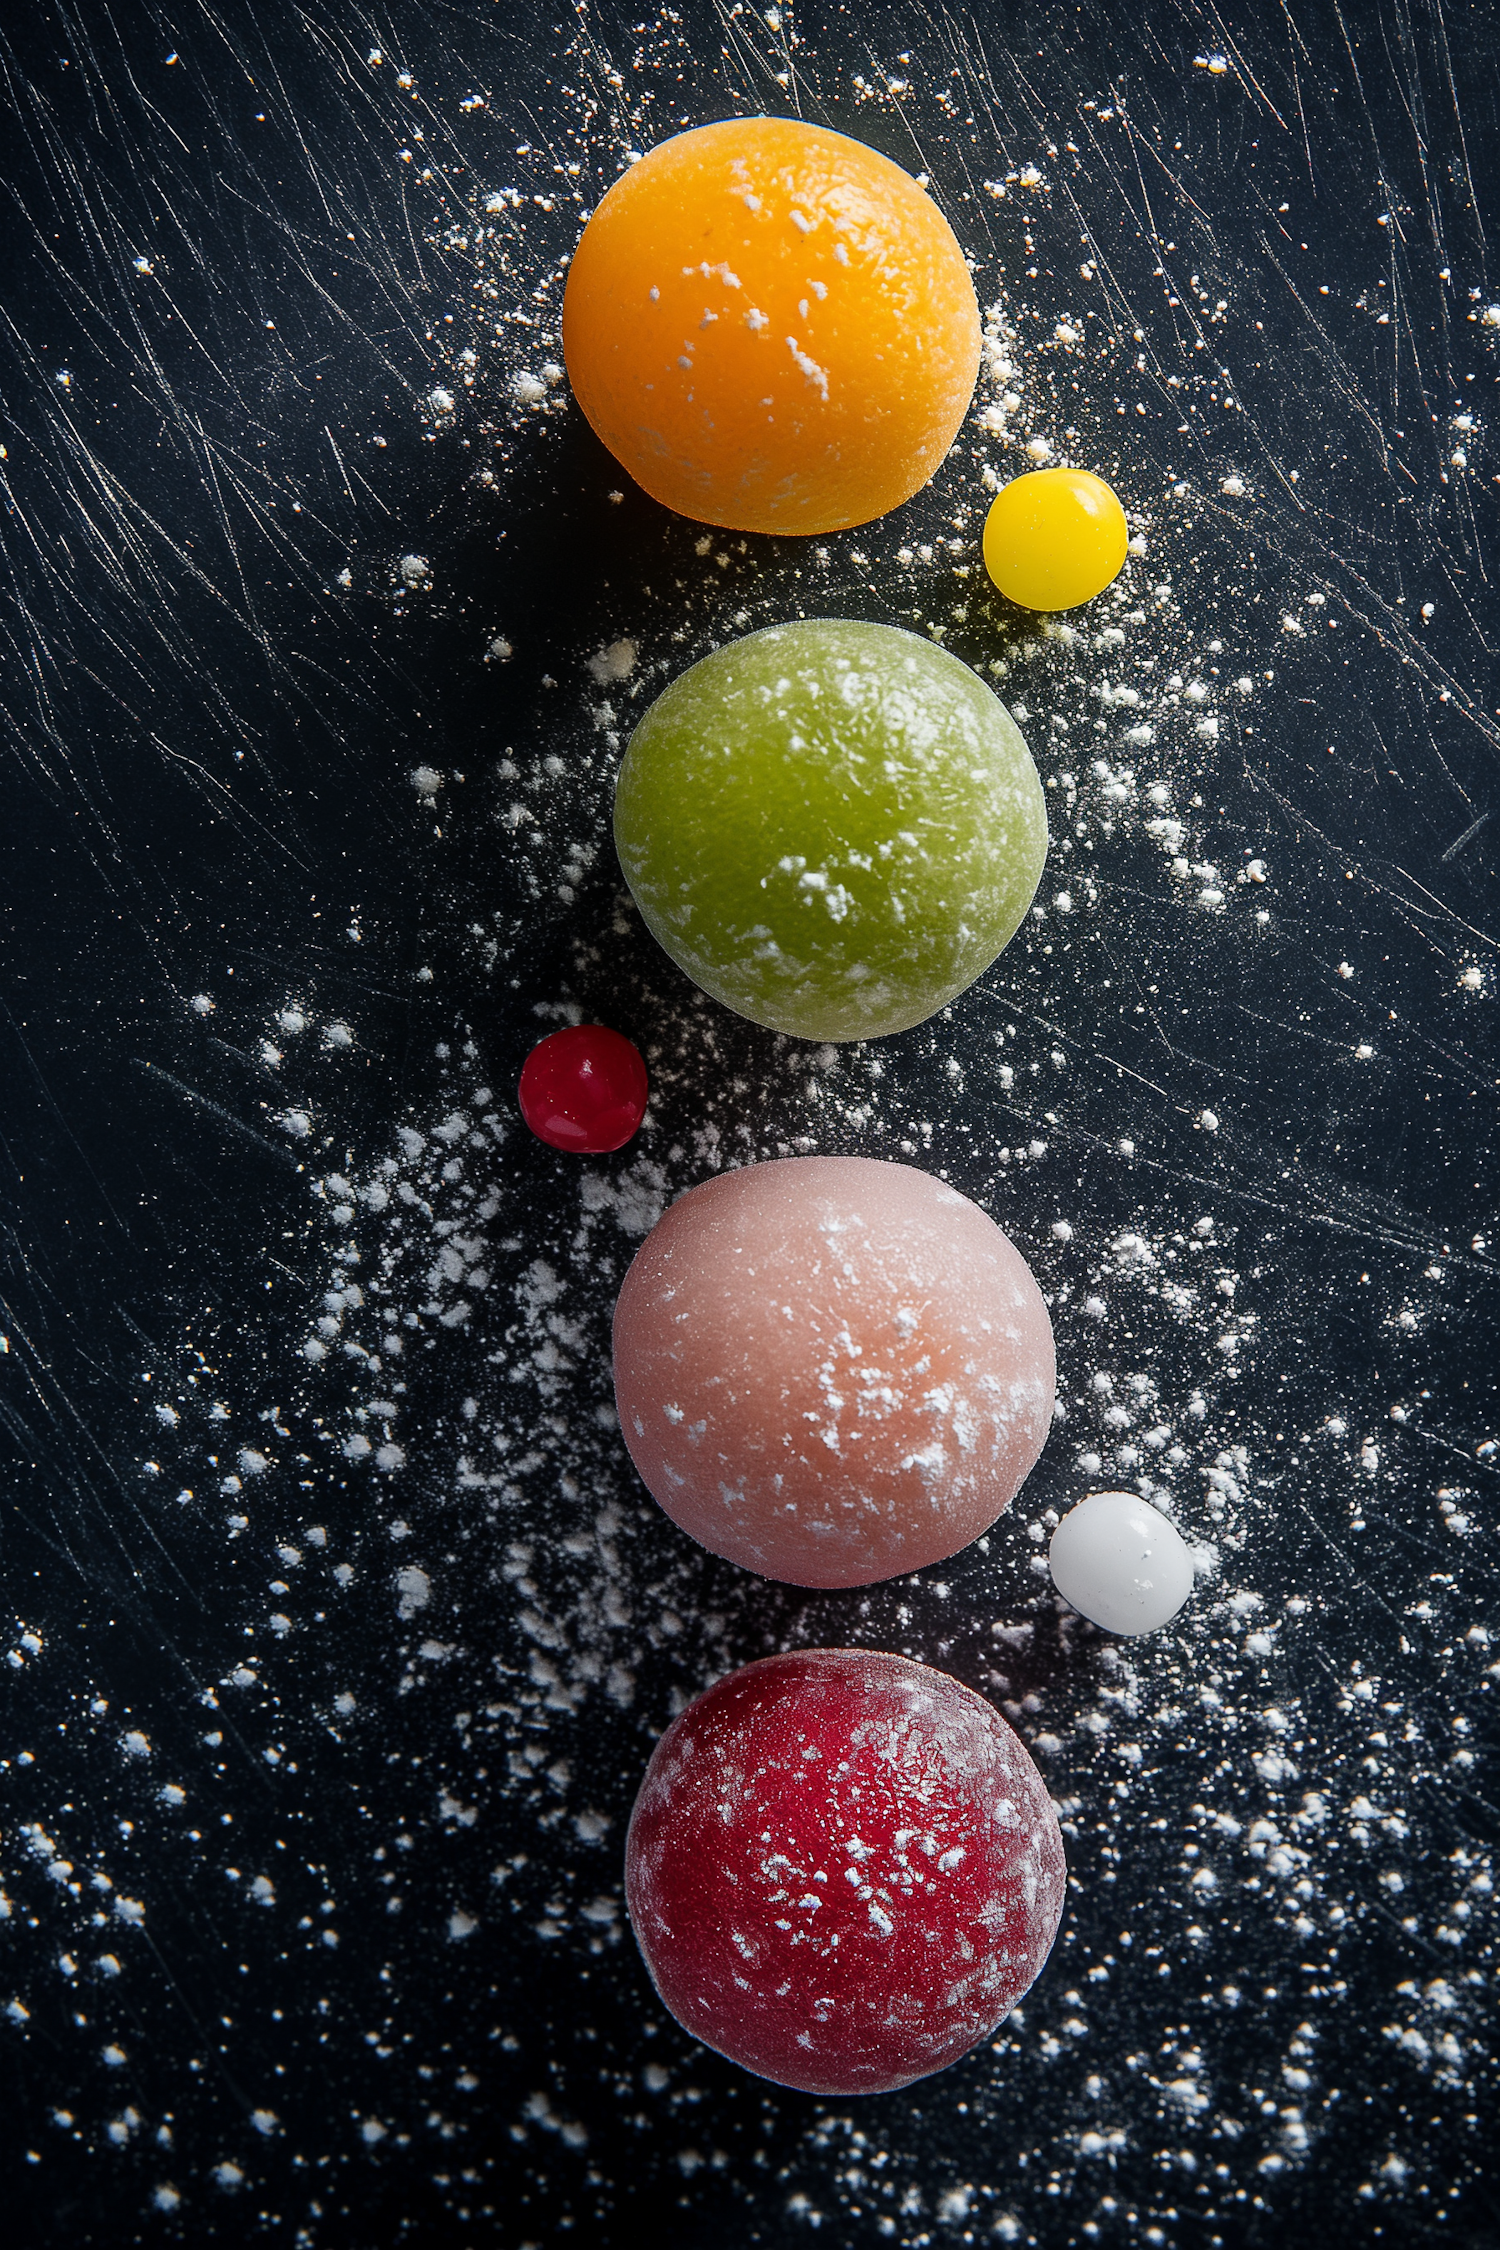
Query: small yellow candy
[(1055, 538)]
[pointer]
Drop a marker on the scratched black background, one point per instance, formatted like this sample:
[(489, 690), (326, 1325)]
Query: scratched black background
[(232, 242)]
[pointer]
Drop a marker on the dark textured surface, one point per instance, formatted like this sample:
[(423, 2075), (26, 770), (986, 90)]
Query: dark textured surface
[(226, 275)]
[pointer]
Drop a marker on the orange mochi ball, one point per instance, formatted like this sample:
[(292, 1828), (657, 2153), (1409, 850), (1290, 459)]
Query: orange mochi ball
[(772, 327), (832, 1370)]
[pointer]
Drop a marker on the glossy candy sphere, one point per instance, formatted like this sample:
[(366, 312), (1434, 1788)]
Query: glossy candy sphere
[(584, 1090), (832, 827), (1121, 1563), (1054, 538), (831, 1370), (843, 1870), (771, 327)]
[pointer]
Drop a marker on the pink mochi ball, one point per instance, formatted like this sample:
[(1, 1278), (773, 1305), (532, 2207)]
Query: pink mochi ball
[(843, 1870), (832, 1370)]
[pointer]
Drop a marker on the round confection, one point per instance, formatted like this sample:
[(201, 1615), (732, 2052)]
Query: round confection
[(584, 1090), (1054, 538), (771, 327), (1121, 1563), (831, 1370), (843, 1870), (832, 827)]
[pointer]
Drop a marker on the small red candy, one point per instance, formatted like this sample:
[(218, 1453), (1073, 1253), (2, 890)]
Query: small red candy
[(843, 1870), (584, 1090)]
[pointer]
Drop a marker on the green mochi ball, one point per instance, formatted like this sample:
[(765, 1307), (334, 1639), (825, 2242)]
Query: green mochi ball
[(831, 827)]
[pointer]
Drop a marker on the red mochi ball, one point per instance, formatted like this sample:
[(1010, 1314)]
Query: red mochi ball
[(832, 1370), (843, 1870)]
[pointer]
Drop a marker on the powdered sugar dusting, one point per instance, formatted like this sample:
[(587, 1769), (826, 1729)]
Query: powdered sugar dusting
[(421, 1628)]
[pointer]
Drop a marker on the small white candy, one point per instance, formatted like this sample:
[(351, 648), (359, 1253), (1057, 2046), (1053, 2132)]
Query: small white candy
[(1119, 1561)]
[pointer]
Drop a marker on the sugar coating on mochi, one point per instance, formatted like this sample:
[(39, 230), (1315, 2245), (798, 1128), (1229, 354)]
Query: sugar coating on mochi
[(843, 1870), (832, 826), (832, 1370)]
